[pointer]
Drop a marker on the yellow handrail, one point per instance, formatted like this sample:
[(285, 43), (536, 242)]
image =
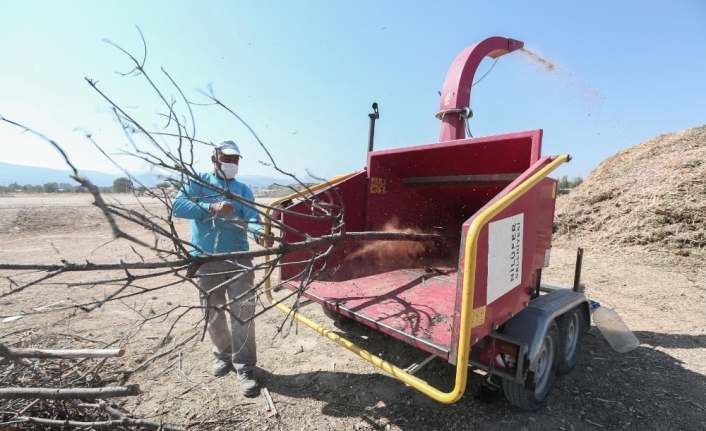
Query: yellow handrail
[(466, 299), (303, 193)]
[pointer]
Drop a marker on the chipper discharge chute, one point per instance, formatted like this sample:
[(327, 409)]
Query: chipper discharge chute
[(473, 296)]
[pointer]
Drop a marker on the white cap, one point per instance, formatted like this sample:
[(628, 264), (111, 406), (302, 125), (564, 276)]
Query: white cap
[(228, 148)]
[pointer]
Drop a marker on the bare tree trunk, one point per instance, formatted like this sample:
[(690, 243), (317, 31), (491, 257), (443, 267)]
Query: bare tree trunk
[(10, 353), (67, 394)]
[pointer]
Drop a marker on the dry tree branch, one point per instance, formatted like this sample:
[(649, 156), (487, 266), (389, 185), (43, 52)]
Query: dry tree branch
[(132, 422), (69, 394), (98, 200), (173, 261), (52, 274), (13, 353), (109, 297), (109, 424), (283, 248)]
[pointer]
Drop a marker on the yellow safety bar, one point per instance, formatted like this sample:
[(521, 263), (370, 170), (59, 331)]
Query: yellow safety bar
[(466, 298)]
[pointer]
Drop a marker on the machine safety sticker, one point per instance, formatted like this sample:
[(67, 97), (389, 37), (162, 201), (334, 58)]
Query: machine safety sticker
[(478, 316), (377, 186), (505, 241)]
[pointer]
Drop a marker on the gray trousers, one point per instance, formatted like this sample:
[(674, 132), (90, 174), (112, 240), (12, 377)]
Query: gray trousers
[(237, 342)]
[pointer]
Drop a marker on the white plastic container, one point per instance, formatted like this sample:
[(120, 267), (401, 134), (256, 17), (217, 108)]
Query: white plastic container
[(619, 336)]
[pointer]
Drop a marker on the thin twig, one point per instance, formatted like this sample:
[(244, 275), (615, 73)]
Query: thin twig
[(159, 355), (270, 404), (29, 406)]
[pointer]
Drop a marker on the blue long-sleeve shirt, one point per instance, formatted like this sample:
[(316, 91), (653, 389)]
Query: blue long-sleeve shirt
[(216, 234)]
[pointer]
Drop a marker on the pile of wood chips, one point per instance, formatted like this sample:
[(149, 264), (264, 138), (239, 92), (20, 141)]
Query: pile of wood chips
[(652, 195)]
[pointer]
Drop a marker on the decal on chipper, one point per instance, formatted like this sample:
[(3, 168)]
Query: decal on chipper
[(505, 238), (478, 316), (377, 186)]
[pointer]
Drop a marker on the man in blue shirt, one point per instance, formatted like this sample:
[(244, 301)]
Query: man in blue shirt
[(220, 225)]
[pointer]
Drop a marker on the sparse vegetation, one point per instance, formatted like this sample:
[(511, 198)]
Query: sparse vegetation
[(123, 185), (565, 185)]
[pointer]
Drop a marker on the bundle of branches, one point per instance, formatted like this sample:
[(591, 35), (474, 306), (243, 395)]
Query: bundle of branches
[(55, 388), (652, 195), (160, 255), (172, 150)]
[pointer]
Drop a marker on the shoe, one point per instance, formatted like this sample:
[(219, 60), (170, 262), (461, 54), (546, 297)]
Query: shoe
[(248, 384), (221, 367)]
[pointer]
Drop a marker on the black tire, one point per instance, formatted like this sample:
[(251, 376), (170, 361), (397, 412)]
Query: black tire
[(571, 330), (531, 400)]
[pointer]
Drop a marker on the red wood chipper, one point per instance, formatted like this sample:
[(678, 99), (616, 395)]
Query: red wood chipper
[(475, 298)]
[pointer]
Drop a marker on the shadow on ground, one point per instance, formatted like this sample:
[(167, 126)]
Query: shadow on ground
[(643, 389)]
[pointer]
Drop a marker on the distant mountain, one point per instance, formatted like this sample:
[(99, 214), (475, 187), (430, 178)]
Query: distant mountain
[(33, 175)]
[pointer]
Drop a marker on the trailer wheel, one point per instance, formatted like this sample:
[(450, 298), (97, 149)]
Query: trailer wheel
[(528, 399), (570, 335)]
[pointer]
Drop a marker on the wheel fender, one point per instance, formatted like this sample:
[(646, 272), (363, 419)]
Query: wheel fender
[(530, 324)]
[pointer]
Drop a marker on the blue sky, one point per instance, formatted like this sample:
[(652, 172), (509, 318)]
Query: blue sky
[(303, 74)]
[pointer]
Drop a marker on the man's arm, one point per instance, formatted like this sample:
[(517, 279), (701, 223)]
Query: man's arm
[(187, 205)]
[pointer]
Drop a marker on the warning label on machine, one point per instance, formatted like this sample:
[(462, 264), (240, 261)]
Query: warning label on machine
[(377, 186), (504, 256)]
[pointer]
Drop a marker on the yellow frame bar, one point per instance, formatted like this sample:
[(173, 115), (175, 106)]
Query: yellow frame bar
[(466, 302)]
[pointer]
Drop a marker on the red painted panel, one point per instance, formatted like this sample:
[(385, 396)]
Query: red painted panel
[(413, 304), (546, 199), (351, 192), (443, 207), (507, 153), (388, 199), (500, 310)]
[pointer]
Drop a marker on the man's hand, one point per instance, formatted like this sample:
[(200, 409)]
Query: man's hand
[(265, 241), (222, 208)]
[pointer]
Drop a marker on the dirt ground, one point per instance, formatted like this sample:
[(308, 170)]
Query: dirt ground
[(317, 385)]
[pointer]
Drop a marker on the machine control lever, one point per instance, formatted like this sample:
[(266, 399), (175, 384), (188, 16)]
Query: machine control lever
[(375, 115)]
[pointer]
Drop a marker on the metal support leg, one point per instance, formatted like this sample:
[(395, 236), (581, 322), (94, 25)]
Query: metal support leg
[(577, 273), (418, 365)]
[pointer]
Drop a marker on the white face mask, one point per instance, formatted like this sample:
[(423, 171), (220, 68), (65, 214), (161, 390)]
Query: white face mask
[(228, 169)]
